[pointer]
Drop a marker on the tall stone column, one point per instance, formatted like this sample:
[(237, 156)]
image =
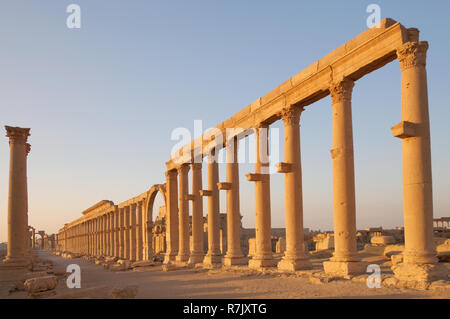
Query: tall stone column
[(171, 216), (103, 235), (127, 232), (133, 232), (213, 256), (197, 215), (294, 257), (345, 260), (139, 232), (183, 221), (263, 254), (116, 233), (122, 232), (17, 255), (234, 254), (111, 234), (419, 256)]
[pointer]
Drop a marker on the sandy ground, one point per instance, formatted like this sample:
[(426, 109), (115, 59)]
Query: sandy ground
[(97, 282)]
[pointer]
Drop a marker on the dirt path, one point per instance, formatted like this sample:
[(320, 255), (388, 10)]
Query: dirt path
[(96, 282)]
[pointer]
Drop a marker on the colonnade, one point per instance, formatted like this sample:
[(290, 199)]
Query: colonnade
[(116, 230)]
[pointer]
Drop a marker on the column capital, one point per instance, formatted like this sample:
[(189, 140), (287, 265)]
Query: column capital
[(196, 166), (171, 173), (341, 91), (412, 54), (183, 169), (291, 115), (17, 134)]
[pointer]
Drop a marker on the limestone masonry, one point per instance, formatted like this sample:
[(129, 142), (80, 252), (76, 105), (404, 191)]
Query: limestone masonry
[(127, 231)]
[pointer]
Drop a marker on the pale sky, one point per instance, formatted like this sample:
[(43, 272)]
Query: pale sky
[(102, 101)]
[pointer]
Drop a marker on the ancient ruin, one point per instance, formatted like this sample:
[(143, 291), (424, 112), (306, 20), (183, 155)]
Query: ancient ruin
[(128, 231)]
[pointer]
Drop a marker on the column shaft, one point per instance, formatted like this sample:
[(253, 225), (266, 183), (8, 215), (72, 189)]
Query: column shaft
[(294, 257), (183, 221)]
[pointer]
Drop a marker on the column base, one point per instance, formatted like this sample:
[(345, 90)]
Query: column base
[(420, 272), (292, 265), (234, 260), (345, 268), (255, 263), (212, 260), (169, 257), (182, 258), (196, 259), (15, 263)]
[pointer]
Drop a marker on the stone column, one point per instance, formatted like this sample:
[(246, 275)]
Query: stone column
[(127, 232), (33, 243), (213, 256), (171, 216), (133, 232), (345, 260), (122, 232), (294, 257), (197, 215), (116, 233), (234, 254), (139, 232), (17, 198), (263, 254), (111, 234), (414, 130), (183, 221)]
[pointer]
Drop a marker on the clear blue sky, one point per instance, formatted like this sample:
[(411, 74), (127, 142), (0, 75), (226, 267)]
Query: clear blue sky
[(103, 100)]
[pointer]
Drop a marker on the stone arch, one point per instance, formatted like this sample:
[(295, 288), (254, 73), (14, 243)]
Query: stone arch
[(151, 195)]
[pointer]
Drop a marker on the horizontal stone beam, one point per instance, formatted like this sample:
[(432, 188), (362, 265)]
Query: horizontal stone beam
[(363, 54)]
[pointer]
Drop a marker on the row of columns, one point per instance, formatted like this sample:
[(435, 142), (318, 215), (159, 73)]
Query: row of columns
[(414, 132), (441, 223), (122, 232)]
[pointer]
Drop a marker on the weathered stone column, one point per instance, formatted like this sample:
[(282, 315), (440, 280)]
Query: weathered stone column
[(213, 256), (234, 254), (345, 260), (139, 232), (111, 233), (17, 198), (414, 130), (197, 215), (294, 257), (263, 254), (133, 232), (171, 216), (122, 232), (103, 225), (127, 232), (116, 244), (183, 221)]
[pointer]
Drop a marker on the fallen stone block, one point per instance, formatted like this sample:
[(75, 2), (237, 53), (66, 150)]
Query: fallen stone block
[(393, 250), (169, 267), (142, 263), (440, 285), (128, 292), (39, 284), (382, 240), (396, 259)]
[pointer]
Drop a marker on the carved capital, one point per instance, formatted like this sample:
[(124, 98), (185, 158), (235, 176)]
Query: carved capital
[(412, 54), (183, 169), (341, 91), (17, 134), (196, 166), (28, 148), (291, 115)]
